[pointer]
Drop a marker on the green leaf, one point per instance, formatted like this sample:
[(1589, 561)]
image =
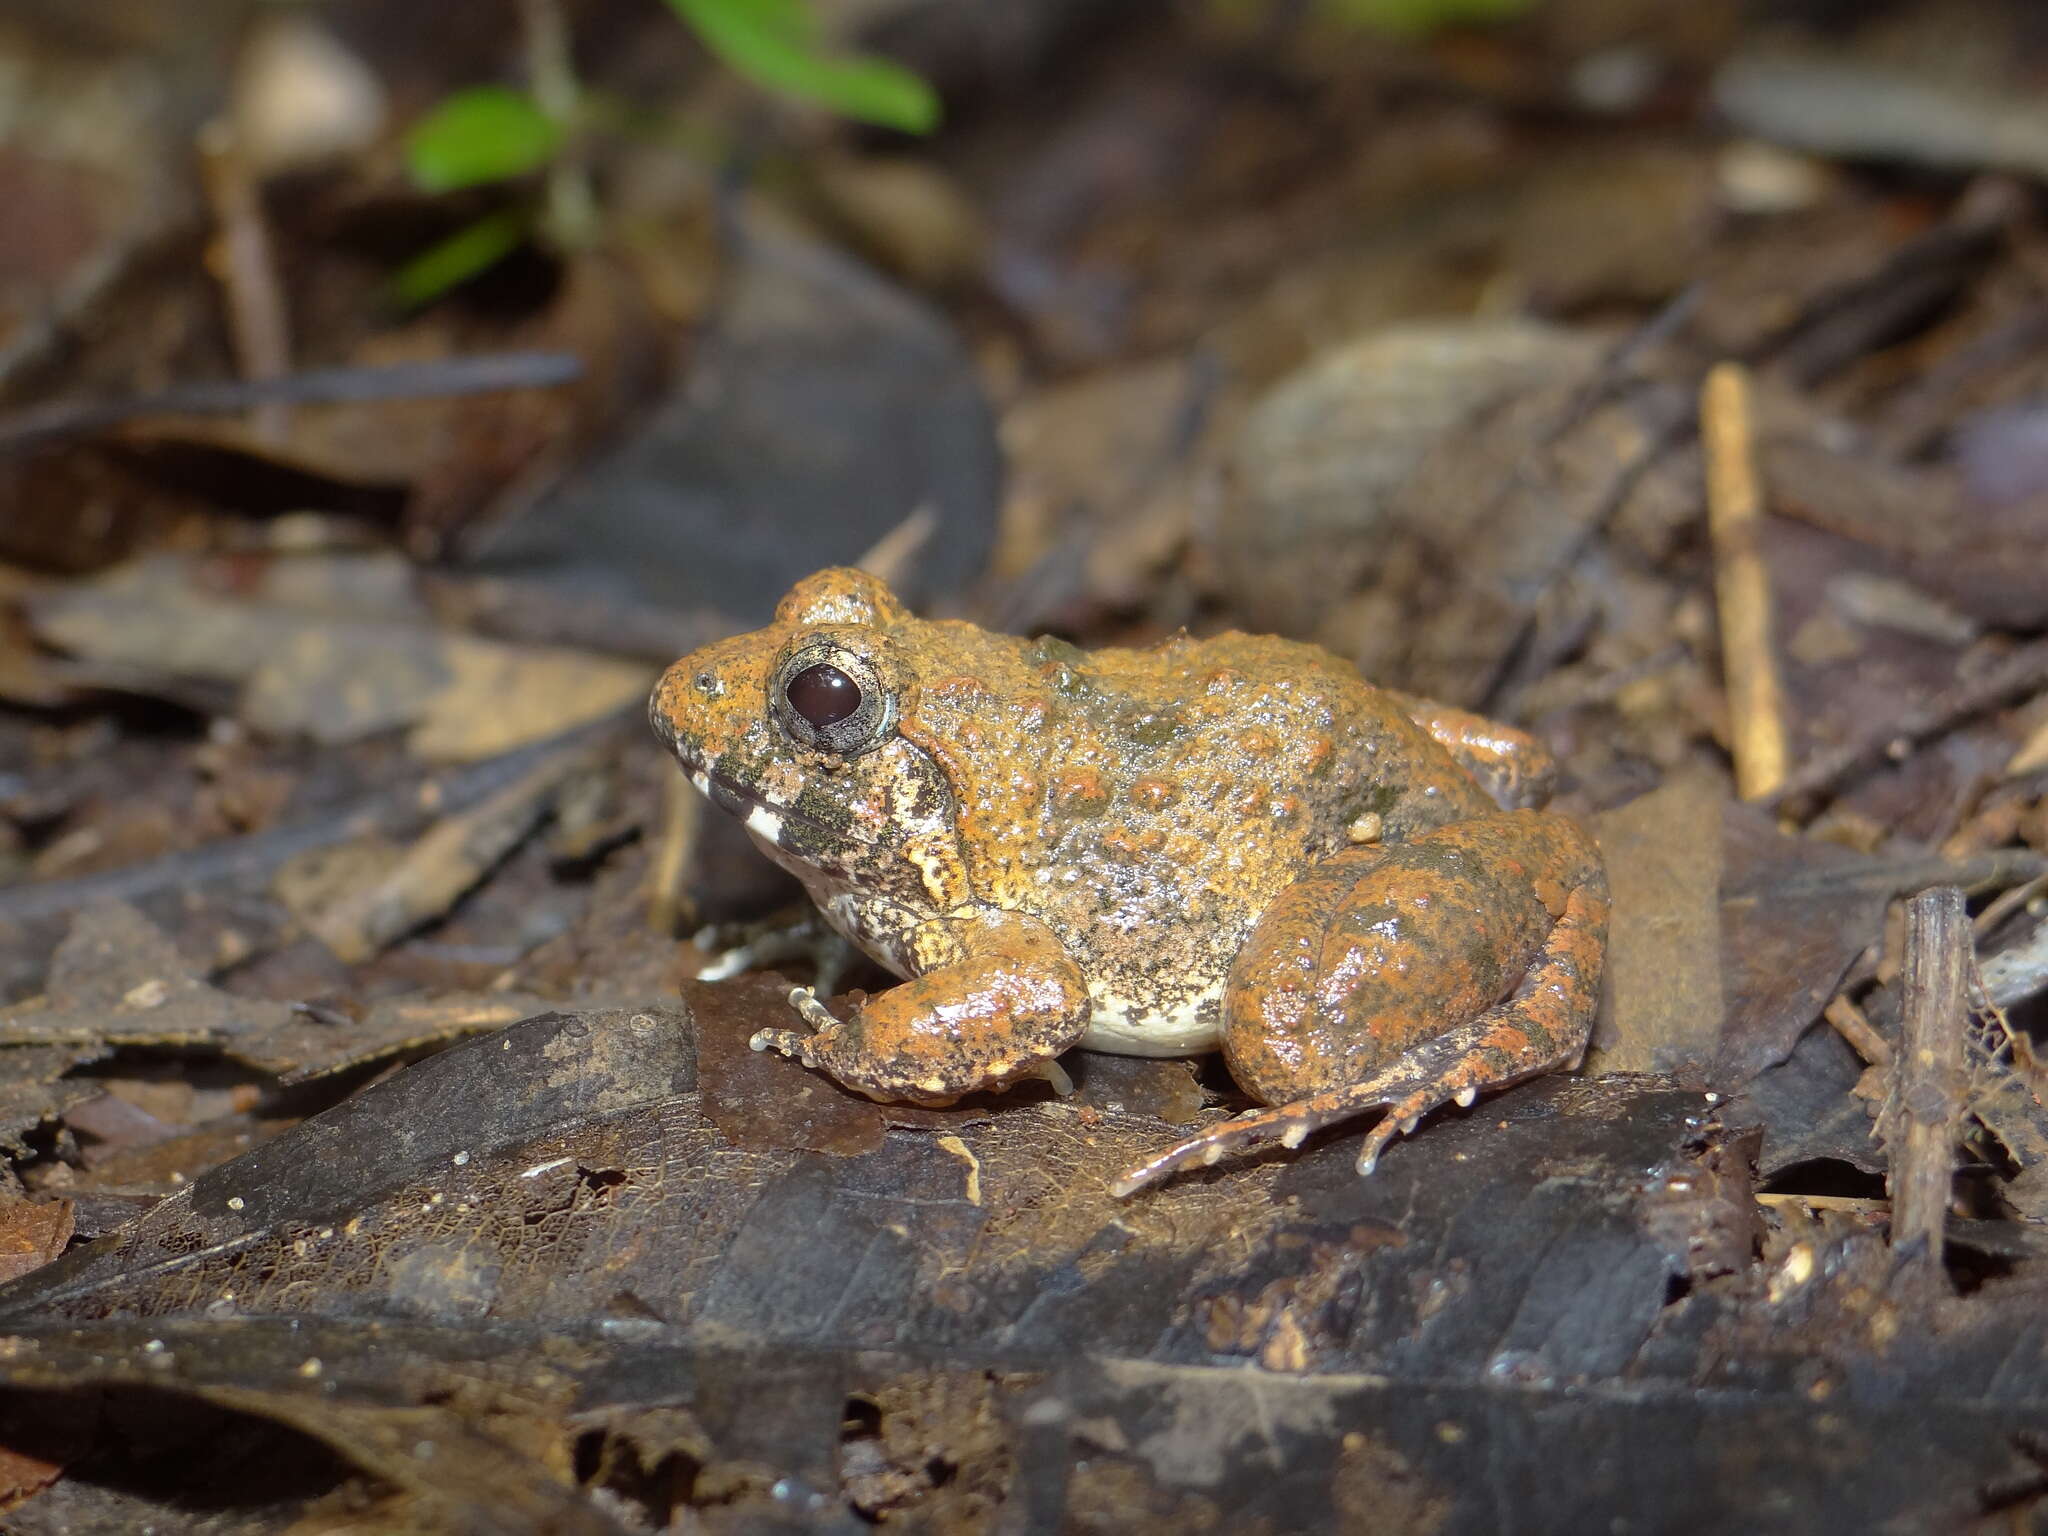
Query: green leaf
[(1413, 18), (774, 43), (488, 133), (471, 250)]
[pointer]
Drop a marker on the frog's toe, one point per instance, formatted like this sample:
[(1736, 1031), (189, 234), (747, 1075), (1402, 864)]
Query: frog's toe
[(1400, 1120), (786, 1041), (809, 1009), (1288, 1124)]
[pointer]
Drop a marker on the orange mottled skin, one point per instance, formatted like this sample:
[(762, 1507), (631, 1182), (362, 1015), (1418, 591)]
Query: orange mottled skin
[(1235, 843)]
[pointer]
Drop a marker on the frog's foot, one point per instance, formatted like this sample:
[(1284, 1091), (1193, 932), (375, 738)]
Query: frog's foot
[(1453, 1066), (792, 1042), (1541, 1027), (814, 1013), (1003, 1011)]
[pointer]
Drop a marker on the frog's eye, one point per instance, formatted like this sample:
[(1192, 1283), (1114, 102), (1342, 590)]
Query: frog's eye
[(829, 698), (822, 694)]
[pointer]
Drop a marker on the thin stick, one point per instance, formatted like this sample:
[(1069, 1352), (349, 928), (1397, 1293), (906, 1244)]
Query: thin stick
[(41, 425), (1742, 586), (682, 818), (393, 812), (247, 271), (2005, 904), (1857, 1205), (1923, 1113), (1862, 1036), (895, 551)]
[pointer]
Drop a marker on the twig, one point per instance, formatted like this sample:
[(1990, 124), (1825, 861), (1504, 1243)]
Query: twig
[(2009, 977), (1858, 1205), (1997, 910), (2023, 671), (894, 554), (682, 817), (1853, 1027), (1923, 1113), (59, 419), (1742, 587), (247, 271), (1919, 413)]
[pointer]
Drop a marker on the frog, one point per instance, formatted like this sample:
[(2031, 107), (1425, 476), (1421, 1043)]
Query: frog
[(1232, 843)]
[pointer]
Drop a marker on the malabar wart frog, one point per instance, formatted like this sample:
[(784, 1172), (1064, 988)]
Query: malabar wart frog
[(1232, 843)]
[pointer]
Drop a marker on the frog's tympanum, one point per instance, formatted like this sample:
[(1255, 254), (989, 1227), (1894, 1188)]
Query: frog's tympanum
[(1235, 843)]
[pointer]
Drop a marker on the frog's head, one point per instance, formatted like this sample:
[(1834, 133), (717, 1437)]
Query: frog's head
[(795, 729)]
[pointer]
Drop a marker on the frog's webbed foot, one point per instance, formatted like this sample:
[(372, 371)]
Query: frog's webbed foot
[(1541, 1027)]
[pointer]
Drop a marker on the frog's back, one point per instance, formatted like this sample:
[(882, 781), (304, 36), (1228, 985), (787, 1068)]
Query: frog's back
[(1149, 804)]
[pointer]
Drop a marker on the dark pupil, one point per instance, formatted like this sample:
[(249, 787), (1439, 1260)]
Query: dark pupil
[(823, 695)]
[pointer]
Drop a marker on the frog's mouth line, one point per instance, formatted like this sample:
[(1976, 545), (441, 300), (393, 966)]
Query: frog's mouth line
[(768, 822)]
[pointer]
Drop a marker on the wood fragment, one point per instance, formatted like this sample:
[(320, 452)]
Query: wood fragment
[(1742, 587), (1923, 1113), (1853, 1027)]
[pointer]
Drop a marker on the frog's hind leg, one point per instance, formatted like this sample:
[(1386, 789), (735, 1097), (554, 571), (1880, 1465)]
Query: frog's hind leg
[(1540, 1027)]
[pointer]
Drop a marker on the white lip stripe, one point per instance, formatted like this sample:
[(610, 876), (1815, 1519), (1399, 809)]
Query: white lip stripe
[(764, 824)]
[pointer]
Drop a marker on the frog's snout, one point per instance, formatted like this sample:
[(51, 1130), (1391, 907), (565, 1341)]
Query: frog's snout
[(691, 703)]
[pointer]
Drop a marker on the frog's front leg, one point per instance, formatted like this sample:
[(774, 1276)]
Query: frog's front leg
[(1512, 766), (996, 999), (1407, 976)]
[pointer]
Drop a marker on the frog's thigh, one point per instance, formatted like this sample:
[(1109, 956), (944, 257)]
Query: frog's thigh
[(1318, 1068), (1005, 1002), (1378, 949), (1512, 766)]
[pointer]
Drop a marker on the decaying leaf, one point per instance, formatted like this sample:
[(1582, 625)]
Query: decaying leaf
[(536, 1236), (118, 981), (335, 679), (32, 1232)]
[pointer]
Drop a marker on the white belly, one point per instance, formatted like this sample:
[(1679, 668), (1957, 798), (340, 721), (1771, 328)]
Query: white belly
[(1183, 1029)]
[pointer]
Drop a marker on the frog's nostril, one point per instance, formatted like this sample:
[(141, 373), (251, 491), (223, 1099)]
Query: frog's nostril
[(707, 683)]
